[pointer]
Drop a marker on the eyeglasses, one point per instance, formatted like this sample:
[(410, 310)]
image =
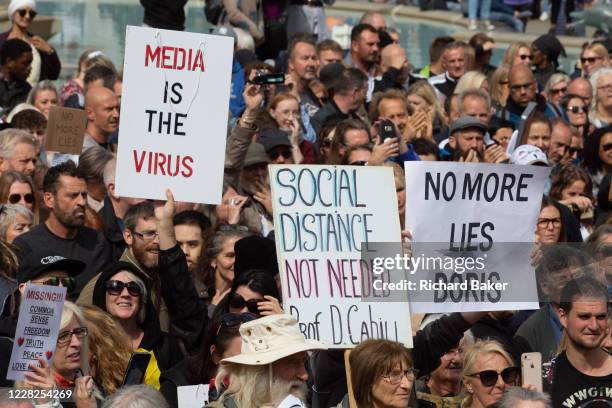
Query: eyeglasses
[(545, 222), (607, 87), (606, 147), (68, 282), (65, 336), (519, 87), (235, 319), (576, 109), (488, 378), (15, 198), (358, 163), (24, 12), (147, 235), (590, 60), (238, 302), (115, 288), (286, 153), (396, 377), (526, 56), (504, 82), (558, 91)]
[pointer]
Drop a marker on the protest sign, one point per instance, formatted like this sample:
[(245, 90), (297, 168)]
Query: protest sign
[(322, 217), (65, 130), (174, 113), (190, 396), (38, 325), (473, 226)]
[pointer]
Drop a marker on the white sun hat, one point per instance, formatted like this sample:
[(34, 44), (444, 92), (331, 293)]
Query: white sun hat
[(271, 338)]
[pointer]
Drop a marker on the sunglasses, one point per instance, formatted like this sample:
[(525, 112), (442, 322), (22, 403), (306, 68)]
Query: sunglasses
[(574, 150), (275, 154), (15, 198), (358, 163), (526, 56), (235, 319), (69, 282), (606, 147), (24, 12), (577, 109), (115, 288), (79, 332), (238, 302), (590, 60), (488, 378), (558, 91)]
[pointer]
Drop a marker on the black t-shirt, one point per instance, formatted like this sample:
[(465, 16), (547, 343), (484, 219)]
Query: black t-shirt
[(88, 246), (571, 388)]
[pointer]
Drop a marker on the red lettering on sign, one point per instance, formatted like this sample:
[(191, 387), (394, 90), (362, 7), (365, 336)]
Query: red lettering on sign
[(176, 58), (170, 165)]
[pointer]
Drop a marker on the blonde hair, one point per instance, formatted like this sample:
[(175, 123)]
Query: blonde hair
[(110, 351), (470, 80), (249, 385), (501, 74), (511, 52), (142, 312), (72, 311), (471, 356), (554, 80), (598, 49), (427, 92)]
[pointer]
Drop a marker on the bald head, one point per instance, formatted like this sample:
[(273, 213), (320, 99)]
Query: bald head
[(523, 86), (102, 107), (581, 87), (394, 56), (374, 19)]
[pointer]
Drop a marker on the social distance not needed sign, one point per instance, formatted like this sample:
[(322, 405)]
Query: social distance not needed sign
[(174, 113)]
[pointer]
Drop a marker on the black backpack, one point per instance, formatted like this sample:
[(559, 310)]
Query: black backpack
[(213, 10)]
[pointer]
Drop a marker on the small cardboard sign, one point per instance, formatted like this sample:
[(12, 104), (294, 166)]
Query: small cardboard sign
[(65, 130), (40, 316)]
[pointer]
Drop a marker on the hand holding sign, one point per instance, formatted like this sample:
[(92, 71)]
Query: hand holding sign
[(40, 377)]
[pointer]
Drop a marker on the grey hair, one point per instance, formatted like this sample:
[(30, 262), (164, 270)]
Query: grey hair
[(136, 396), (554, 80), (594, 79), (475, 93), (513, 396), (9, 138), (8, 215), (142, 313), (93, 161), (45, 85), (110, 170)]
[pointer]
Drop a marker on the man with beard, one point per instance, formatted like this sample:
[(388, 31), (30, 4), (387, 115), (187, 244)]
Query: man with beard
[(64, 233), (443, 386), (364, 53), (467, 139), (271, 365), (102, 107), (581, 375)]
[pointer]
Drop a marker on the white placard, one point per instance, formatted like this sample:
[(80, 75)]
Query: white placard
[(174, 113), (192, 396), (40, 315), (484, 210), (322, 215)]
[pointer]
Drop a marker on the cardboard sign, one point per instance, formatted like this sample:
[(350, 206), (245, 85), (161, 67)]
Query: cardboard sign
[(174, 112), (65, 130), (473, 226), (40, 315), (323, 217), (192, 396)]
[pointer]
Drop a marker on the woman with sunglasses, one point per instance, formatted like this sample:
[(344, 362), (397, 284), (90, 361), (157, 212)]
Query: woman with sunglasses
[(556, 88), (598, 155), (577, 112), (499, 87), (16, 188), (70, 358), (14, 220), (46, 63), (593, 57), (121, 292), (487, 370), (518, 53), (222, 340), (382, 375)]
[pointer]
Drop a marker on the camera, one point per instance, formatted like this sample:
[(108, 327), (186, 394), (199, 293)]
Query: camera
[(386, 130), (261, 78)]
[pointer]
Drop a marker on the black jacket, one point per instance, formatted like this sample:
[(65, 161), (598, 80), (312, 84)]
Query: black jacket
[(166, 14), (429, 345), (170, 380), (12, 94), (50, 65), (327, 114), (389, 81), (111, 230), (489, 328)]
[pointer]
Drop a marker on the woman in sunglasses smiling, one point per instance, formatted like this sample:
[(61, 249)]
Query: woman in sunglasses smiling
[(577, 112), (487, 370), (121, 292), (598, 155), (45, 63)]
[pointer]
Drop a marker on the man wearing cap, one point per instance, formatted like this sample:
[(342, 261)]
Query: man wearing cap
[(529, 155), (546, 50), (271, 365), (467, 139), (278, 147)]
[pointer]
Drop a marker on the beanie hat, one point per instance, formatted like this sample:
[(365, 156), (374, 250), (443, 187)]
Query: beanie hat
[(20, 4)]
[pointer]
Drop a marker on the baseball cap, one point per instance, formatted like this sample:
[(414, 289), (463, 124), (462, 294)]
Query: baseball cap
[(272, 138), (38, 262), (468, 122), (528, 154)]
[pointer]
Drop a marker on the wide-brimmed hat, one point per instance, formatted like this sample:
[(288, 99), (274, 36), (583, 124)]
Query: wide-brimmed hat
[(270, 339), (256, 154)]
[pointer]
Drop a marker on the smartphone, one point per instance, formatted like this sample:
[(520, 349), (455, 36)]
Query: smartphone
[(531, 369), (386, 130), (268, 79), (137, 368)]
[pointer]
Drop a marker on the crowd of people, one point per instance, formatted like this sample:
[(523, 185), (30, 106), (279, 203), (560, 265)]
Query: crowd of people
[(197, 286)]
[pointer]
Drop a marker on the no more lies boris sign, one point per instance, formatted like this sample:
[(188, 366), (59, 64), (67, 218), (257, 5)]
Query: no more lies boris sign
[(174, 114)]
